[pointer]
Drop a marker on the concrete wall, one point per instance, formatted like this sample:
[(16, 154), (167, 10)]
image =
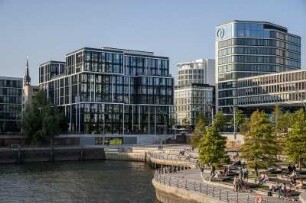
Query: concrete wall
[(166, 194), (46, 154)]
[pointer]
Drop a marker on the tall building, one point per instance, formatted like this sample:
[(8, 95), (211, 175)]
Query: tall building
[(194, 94), (112, 91), (10, 104), (251, 48)]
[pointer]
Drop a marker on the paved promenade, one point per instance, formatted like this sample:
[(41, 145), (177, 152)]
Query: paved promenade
[(191, 180)]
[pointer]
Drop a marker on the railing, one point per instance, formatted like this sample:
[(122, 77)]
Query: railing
[(218, 193), (173, 157)]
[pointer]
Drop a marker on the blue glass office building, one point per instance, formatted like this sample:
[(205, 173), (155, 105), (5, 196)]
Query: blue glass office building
[(250, 48)]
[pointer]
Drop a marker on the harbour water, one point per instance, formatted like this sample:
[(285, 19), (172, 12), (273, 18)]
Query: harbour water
[(88, 181)]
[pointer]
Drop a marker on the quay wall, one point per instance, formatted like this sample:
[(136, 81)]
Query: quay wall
[(25, 155), (167, 194)]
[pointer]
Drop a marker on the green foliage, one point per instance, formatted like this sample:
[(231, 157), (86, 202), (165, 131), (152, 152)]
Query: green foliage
[(295, 141), (281, 121), (40, 120), (212, 148), (199, 131), (219, 121), (260, 146)]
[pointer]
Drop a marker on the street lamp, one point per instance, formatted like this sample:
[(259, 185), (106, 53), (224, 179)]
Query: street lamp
[(233, 108)]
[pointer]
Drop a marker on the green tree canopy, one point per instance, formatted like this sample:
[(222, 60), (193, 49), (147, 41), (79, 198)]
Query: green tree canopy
[(219, 121), (212, 146), (295, 141), (260, 146), (199, 131), (40, 120)]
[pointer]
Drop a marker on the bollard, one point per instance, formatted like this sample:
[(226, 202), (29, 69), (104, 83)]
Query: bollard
[(220, 194), (237, 197), (213, 192), (227, 196)]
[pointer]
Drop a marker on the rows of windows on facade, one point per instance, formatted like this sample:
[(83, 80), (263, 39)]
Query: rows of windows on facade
[(111, 91), (118, 91), (194, 93), (244, 51)]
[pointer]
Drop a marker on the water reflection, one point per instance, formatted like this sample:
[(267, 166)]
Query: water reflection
[(90, 181)]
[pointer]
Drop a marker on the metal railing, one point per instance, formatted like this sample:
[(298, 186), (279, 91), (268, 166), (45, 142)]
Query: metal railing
[(172, 157), (218, 193)]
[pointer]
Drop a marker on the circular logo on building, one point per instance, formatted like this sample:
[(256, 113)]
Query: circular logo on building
[(220, 33)]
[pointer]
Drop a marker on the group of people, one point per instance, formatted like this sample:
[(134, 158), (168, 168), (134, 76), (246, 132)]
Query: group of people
[(298, 184), (240, 182), (281, 189)]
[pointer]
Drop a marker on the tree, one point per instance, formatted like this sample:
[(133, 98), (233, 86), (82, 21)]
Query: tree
[(212, 146), (40, 120), (260, 146), (295, 141), (219, 121), (281, 124), (199, 131)]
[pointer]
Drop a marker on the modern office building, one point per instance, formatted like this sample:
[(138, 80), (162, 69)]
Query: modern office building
[(194, 94), (251, 48), (286, 89), (112, 91), (49, 71), (10, 104), (200, 71), (193, 100)]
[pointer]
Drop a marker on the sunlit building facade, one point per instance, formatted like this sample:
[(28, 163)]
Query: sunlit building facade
[(286, 89), (251, 48), (194, 94), (112, 91)]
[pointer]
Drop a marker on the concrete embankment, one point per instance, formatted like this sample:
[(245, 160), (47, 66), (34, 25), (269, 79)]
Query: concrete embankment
[(47, 154), (78, 153), (167, 194)]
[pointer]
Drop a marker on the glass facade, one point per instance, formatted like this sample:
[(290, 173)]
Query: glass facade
[(201, 71), (251, 48), (193, 100), (286, 89), (194, 94), (10, 104), (114, 91)]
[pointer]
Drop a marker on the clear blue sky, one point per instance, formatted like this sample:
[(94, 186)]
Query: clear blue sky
[(181, 29)]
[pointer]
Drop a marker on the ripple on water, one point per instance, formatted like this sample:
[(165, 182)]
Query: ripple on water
[(89, 181)]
